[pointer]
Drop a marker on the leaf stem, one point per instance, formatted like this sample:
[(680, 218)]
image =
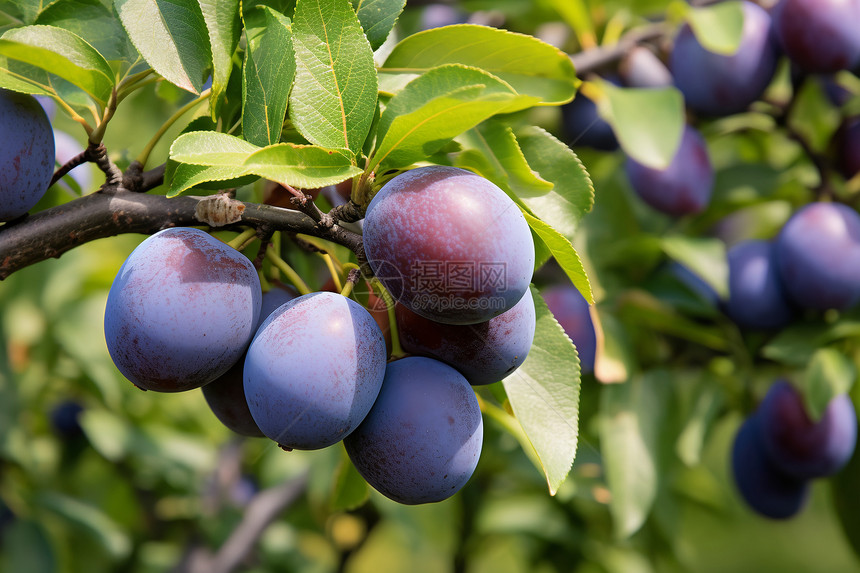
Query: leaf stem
[(396, 349), (243, 239), (288, 271), (144, 155), (334, 275)]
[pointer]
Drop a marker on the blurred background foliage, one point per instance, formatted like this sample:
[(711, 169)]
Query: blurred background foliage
[(96, 475)]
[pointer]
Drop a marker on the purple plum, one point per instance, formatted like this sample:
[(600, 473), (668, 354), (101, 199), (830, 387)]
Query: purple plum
[(313, 370), (716, 84), (181, 310), (799, 446), (757, 299), (572, 312), (818, 256), (422, 439), (26, 154), (449, 245), (684, 187), (820, 36), (485, 352)]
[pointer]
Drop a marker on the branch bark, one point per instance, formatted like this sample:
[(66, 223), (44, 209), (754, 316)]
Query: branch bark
[(114, 211)]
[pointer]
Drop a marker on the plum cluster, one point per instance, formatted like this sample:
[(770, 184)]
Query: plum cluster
[(187, 311), (779, 449)]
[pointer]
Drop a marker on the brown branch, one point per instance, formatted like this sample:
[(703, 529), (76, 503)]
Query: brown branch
[(263, 509), (114, 211), (593, 59)]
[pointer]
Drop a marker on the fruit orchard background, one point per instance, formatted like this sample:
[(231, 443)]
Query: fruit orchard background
[(154, 479)]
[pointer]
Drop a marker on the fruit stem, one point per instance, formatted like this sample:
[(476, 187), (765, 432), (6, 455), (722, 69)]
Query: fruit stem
[(243, 239), (275, 246), (144, 155), (333, 271), (352, 279), (288, 271), (396, 349), (264, 284)]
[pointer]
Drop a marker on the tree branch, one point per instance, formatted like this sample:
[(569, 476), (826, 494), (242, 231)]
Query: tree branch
[(592, 60), (263, 509), (114, 211)]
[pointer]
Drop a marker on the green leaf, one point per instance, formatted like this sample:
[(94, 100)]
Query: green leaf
[(796, 344), (691, 440), (223, 24), (334, 97), (350, 491), (230, 157), (630, 417), (829, 374), (26, 11), (304, 166), (172, 37), (845, 498), (564, 253), (97, 24), (530, 66), (27, 547), (495, 153), (90, 519), (572, 194), (269, 70), (212, 149), (62, 53), (704, 257), (544, 395), (377, 18), (186, 176), (718, 27), (650, 138), (433, 109)]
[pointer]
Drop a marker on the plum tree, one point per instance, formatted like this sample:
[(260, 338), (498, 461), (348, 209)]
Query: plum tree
[(799, 446), (485, 352), (641, 68), (27, 154), (848, 147), (421, 441), (682, 188), (716, 84), (181, 310), (226, 394), (582, 125), (449, 245), (763, 486), (818, 256), (820, 36), (313, 370), (572, 312), (757, 299)]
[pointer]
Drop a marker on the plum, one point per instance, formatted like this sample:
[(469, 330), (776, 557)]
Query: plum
[(26, 156), (422, 439), (757, 299), (716, 84), (449, 245), (847, 141), (65, 420), (485, 352), (226, 395), (799, 446), (572, 312), (582, 125), (181, 310), (313, 370), (439, 15), (682, 188), (818, 256), (767, 490), (641, 68), (820, 36)]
